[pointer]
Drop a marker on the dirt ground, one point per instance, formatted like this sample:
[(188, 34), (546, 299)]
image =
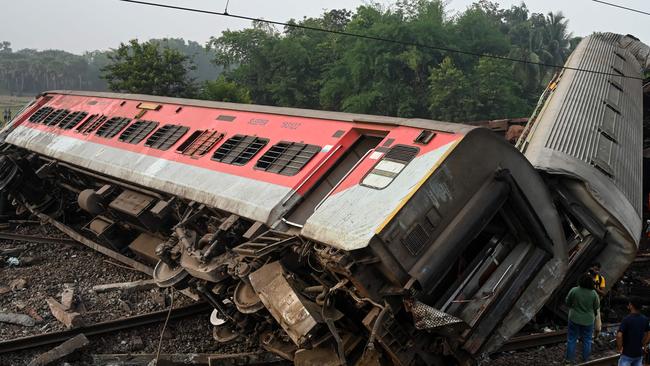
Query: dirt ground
[(82, 268)]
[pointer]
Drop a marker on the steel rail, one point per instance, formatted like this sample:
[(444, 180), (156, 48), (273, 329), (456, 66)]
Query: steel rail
[(603, 361), (534, 340), (541, 339), (35, 238), (23, 343)]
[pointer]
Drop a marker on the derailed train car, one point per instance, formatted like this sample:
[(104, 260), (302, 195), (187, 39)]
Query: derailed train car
[(331, 238), (586, 137)]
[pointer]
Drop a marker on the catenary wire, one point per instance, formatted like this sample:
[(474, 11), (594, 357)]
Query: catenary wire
[(621, 7), (374, 38)]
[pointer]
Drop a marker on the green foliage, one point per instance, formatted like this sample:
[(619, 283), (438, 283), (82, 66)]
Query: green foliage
[(301, 68), (28, 72), (450, 93), (224, 91), (144, 68)]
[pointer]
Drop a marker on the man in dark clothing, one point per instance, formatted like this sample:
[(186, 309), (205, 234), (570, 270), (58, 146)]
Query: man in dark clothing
[(633, 336), (583, 304)]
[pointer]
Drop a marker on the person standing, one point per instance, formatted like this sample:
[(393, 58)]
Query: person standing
[(633, 335), (583, 304), (599, 286)]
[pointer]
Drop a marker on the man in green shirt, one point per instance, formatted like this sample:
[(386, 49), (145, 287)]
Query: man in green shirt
[(583, 305)]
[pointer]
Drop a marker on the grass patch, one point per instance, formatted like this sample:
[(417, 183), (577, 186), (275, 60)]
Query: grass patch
[(13, 103)]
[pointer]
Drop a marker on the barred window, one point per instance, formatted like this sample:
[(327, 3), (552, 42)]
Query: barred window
[(91, 124), (239, 149), (287, 158), (199, 143), (72, 119), (166, 136), (40, 114), (136, 132), (56, 117), (112, 127)]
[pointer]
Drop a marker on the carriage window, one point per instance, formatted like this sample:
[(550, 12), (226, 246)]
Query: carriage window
[(239, 149), (112, 127), (56, 117), (390, 166), (91, 124), (40, 114), (72, 119), (136, 132), (166, 136), (199, 143), (287, 158)]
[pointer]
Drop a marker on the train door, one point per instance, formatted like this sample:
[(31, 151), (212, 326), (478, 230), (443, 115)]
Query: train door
[(354, 154)]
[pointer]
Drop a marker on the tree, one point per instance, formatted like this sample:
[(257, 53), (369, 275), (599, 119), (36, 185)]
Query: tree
[(499, 95), (145, 68), (225, 91), (450, 93)]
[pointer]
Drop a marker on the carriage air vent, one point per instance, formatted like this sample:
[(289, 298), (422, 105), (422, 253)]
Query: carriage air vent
[(40, 114), (239, 149), (91, 123), (390, 166), (112, 127), (136, 132), (199, 143), (424, 137), (224, 117), (287, 158), (166, 136), (72, 119), (56, 117), (415, 239)]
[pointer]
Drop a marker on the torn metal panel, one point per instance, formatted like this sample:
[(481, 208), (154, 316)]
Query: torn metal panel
[(297, 316)]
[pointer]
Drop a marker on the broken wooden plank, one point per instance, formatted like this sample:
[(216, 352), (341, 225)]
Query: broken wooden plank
[(69, 319), (60, 351), (18, 319), (126, 286)]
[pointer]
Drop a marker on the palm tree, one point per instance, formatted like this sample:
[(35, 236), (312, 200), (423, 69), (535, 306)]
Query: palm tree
[(556, 37)]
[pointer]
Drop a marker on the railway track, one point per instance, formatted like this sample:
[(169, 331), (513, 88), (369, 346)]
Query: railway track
[(542, 339), (35, 238), (23, 343)]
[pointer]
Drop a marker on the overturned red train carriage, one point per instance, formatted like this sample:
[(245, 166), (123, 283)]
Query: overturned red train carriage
[(331, 238)]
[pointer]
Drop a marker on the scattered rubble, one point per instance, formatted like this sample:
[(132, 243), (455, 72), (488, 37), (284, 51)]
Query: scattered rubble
[(19, 319), (18, 284), (60, 351), (69, 319), (126, 286)]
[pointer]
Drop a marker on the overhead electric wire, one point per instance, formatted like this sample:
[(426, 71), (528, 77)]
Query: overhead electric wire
[(621, 7), (373, 38)]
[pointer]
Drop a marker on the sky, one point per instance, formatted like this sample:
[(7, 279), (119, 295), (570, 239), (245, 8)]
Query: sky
[(84, 25)]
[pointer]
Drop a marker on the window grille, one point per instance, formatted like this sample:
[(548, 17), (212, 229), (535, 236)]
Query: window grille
[(40, 114), (56, 117), (91, 124), (166, 136), (136, 132), (287, 158), (72, 119), (112, 127), (199, 143), (239, 149)]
